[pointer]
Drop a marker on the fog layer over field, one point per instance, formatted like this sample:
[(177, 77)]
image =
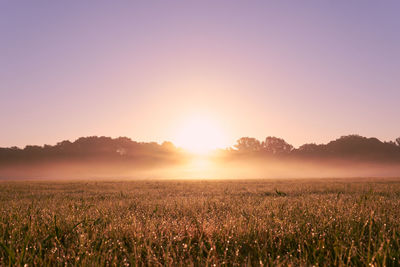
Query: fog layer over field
[(202, 167), (103, 157)]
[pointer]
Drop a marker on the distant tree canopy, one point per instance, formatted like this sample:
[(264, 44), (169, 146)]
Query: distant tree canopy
[(122, 149), (92, 148), (276, 145), (310, 148), (248, 144), (272, 145), (350, 146)]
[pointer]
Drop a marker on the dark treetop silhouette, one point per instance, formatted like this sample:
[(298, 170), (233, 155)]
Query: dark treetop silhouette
[(102, 154), (124, 149), (352, 147)]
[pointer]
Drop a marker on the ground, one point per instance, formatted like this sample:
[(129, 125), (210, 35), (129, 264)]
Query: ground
[(225, 222)]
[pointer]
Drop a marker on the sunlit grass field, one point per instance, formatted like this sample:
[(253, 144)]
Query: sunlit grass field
[(226, 222)]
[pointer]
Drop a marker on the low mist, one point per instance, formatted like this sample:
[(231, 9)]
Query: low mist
[(122, 158), (202, 167)]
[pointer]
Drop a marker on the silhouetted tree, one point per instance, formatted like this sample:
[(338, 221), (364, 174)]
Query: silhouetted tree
[(308, 147), (104, 150), (248, 144), (362, 148), (276, 145)]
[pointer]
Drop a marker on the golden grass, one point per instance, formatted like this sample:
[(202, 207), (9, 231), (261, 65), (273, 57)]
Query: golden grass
[(253, 222)]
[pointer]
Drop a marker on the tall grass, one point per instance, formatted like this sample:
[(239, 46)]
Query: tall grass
[(255, 222)]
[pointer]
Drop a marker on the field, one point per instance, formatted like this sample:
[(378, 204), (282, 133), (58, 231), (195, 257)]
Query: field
[(226, 222)]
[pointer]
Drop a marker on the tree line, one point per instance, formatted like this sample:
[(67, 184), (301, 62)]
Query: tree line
[(123, 149), (346, 147), (93, 148)]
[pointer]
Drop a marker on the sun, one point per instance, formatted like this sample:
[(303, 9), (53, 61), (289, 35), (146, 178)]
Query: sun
[(200, 135)]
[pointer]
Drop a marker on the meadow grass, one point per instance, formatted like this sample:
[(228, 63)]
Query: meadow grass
[(201, 223)]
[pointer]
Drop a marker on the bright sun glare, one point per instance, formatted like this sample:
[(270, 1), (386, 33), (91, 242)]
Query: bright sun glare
[(200, 135)]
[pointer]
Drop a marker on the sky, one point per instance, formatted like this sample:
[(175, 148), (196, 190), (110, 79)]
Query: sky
[(305, 71)]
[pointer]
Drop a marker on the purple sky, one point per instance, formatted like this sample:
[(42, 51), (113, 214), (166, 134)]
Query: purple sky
[(306, 71)]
